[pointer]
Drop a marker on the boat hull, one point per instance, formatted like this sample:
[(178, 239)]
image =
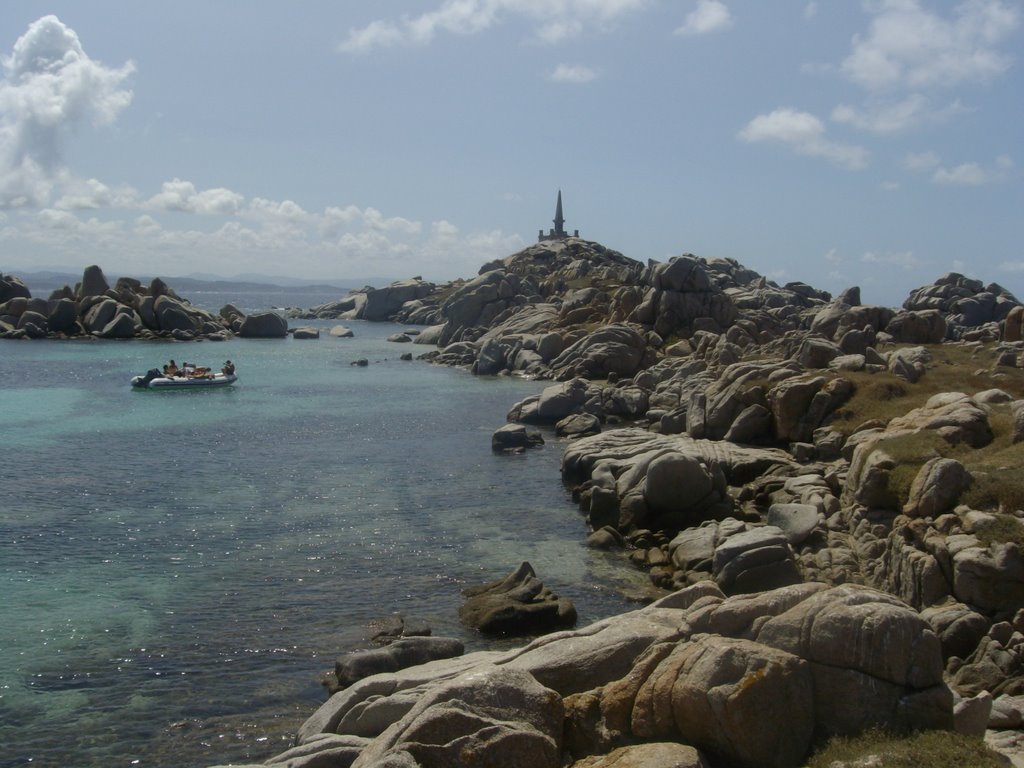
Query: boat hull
[(164, 382)]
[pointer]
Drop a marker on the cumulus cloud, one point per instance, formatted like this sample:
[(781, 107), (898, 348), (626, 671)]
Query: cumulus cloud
[(804, 134), (913, 47), (182, 196), (85, 194), (572, 73), (885, 117), (973, 174), (50, 87), (552, 20), (709, 16)]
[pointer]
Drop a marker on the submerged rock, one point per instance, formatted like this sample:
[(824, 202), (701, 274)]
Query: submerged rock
[(514, 438)]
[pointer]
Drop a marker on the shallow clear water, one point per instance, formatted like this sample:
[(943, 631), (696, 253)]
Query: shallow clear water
[(178, 568)]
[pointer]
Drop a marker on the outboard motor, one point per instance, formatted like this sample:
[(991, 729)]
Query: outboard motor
[(143, 381)]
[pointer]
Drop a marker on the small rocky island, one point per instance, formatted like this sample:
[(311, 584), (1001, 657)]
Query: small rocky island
[(826, 496), (128, 310)]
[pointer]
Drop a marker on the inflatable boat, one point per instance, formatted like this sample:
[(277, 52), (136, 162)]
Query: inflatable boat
[(154, 379)]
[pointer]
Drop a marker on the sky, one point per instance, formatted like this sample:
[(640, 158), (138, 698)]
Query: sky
[(876, 143)]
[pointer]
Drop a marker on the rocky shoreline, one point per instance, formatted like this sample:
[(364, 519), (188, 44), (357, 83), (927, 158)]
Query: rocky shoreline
[(826, 493)]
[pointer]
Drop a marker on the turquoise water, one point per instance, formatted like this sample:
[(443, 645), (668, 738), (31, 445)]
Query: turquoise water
[(178, 568)]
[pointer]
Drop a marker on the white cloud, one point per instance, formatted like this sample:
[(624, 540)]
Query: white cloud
[(973, 174), (895, 116), (178, 195), (804, 134), (572, 73), (709, 16), (50, 87), (905, 260), (79, 194), (339, 240), (890, 186), (810, 10), (553, 21), (910, 46), (920, 162), (376, 221)]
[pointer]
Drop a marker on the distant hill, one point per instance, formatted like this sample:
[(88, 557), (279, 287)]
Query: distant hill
[(46, 280)]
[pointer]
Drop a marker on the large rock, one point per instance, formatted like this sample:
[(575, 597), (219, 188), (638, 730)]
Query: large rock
[(514, 438), (715, 693), (926, 326), (755, 561), (655, 755), (62, 316), (100, 315), (474, 304), (613, 349), (121, 327), (488, 717), (12, 287), (172, 315), (94, 283), (578, 425), (517, 605), (842, 659), (990, 579), (954, 415), (937, 488), (796, 521), (790, 403), (682, 294), (264, 325), (382, 303), (402, 653), (817, 353)]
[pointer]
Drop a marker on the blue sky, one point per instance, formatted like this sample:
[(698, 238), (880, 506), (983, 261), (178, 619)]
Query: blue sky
[(877, 144)]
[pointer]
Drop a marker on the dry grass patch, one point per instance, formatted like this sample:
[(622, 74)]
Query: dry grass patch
[(1001, 529), (998, 482), (996, 468), (927, 749), (953, 368)]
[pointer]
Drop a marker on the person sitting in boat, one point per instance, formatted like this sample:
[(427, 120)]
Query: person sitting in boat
[(228, 369), (188, 369), (202, 372), (171, 369)]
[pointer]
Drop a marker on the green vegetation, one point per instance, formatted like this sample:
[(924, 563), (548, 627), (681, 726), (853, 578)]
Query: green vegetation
[(928, 749)]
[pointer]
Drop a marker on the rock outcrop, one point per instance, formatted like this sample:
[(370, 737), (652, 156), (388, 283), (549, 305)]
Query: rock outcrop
[(694, 674), (516, 605), (127, 310)]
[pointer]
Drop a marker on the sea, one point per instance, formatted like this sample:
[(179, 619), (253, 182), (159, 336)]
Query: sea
[(178, 569)]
